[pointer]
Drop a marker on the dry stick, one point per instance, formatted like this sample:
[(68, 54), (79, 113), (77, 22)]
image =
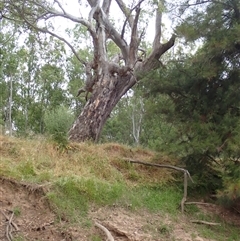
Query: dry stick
[(7, 233), (186, 175), (184, 193), (13, 224), (205, 222), (9, 228), (199, 203), (109, 235)]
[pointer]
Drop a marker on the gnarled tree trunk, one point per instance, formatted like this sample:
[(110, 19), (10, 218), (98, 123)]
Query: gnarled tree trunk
[(108, 91), (107, 78), (98, 108), (114, 80)]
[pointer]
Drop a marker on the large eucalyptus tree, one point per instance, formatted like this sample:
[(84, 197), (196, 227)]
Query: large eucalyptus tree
[(108, 77)]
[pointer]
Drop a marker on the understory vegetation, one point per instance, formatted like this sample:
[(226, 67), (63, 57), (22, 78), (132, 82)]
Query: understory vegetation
[(182, 108), (86, 176)]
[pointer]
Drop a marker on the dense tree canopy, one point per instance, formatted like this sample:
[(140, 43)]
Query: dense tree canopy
[(201, 93)]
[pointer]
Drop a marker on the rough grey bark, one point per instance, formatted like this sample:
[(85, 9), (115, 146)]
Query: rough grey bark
[(107, 79)]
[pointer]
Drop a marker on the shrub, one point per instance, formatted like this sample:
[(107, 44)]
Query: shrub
[(57, 123)]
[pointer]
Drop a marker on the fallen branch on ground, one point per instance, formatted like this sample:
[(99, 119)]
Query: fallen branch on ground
[(109, 235), (205, 222), (186, 175), (10, 225), (199, 203)]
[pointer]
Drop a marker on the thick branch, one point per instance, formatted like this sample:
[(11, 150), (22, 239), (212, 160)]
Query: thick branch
[(127, 12), (153, 62), (115, 36), (158, 28), (60, 6), (106, 6), (134, 39), (82, 21), (165, 47), (160, 165)]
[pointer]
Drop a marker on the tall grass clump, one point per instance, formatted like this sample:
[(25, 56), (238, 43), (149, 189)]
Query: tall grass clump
[(57, 123)]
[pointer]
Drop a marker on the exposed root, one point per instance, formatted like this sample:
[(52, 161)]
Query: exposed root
[(105, 230)]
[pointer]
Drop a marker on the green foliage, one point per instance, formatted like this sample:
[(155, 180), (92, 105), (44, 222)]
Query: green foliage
[(229, 195), (223, 232), (118, 128), (19, 238), (154, 198), (26, 170), (57, 123), (200, 93), (17, 211), (73, 195), (157, 131), (34, 84), (96, 238)]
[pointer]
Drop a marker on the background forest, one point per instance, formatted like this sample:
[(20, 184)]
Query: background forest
[(189, 108)]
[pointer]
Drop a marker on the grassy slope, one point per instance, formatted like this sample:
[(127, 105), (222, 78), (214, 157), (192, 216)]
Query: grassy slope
[(89, 174)]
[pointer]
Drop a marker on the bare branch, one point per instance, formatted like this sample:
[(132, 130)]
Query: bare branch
[(95, 8), (185, 172), (165, 47), (69, 16), (134, 38), (60, 6), (106, 6), (158, 28), (205, 222), (160, 165), (45, 30), (126, 11), (115, 36), (200, 203)]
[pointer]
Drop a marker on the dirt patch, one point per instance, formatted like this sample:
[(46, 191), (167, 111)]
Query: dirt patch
[(30, 210), (34, 220), (145, 226)]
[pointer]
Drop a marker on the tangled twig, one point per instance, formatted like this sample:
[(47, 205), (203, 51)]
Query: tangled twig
[(10, 225)]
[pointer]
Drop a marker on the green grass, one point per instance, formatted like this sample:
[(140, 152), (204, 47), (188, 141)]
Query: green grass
[(72, 196), (19, 238), (222, 232), (90, 175), (153, 198)]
